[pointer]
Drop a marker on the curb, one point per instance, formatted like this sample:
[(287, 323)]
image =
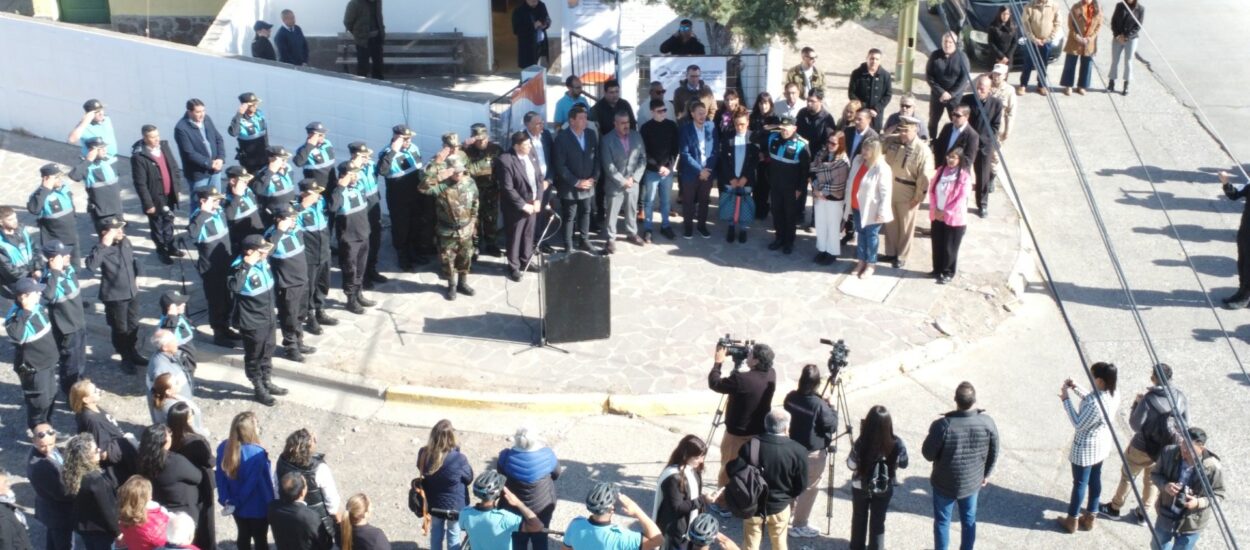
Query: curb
[(565, 403)]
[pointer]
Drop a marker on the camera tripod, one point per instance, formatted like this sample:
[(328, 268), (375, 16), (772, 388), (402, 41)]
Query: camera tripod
[(840, 408)]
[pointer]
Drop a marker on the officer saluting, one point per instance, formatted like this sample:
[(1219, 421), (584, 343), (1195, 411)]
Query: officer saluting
[(63, 297), (316, 156), (291, 280), (251, 281), (52, 203), (457, 204), (34, 351), (17, 252), (273, 185), (241, 207), (368, 184), (482, 153), (94, 123), (314, 227), (911, 162), (400, 163), (104, 196), (211, 235), (791, 159), (114, 261), (351, 221), (252, 130)]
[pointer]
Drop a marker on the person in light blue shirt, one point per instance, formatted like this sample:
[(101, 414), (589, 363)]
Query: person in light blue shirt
[(489, 527), (94, 123), (570, 98), (597, 532)]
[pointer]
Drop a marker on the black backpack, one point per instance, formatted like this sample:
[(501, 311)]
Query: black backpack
[(878, 482), (1159, 430), (747, 488)]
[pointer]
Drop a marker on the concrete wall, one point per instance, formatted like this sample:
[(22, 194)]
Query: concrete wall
[(160, 8), (156, 90)]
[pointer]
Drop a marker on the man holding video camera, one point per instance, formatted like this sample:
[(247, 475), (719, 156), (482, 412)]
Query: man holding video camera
[(749, 398)]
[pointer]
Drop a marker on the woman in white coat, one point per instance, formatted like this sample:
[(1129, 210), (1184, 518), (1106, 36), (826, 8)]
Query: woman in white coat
[(871, 181)]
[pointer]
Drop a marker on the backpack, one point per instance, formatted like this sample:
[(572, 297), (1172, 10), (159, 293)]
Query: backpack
[(878, 482), (747, 487), (1157, 431)]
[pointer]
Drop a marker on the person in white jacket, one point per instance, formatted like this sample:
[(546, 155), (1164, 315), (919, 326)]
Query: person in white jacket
[(871, 182)]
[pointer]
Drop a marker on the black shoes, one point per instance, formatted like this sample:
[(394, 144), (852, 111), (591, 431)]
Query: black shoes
[(1106, 509), (689, 233), (584, 246), (776, 244), (492, 251), (1125, 89), (261, 393), (742, 236), (514, 275), (729, 237), (943, 278), (324, 319), (451, 288), (788, 248), (825, 258), (274, 389), (1237, 304), (983, 211), (463, 286), (353, 305), (703, 232), (1111, 88), (668, 233), (293, 354), (609, 248), (360, 297)]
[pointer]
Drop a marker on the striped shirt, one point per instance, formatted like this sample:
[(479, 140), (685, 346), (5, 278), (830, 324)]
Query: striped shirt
[(1092, 441)]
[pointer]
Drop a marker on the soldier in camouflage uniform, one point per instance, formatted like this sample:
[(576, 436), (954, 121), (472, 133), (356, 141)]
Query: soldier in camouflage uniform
[(456, 202), (482, 153)]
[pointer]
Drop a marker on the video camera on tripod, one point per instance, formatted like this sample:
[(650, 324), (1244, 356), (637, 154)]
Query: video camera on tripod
[(735, 349), (837, 358)]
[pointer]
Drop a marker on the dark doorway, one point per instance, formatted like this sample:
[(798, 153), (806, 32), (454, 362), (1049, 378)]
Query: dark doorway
[(505, 41)]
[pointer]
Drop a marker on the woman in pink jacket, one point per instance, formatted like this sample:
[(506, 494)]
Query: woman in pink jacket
[(948, 203), (142, 520)]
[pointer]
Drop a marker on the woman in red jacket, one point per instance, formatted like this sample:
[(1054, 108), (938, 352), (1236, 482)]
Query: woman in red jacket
[(142, 520)]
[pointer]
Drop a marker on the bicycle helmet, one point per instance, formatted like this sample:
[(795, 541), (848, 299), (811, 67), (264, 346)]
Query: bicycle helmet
[(489, 485), (703, 529), (602, 498)]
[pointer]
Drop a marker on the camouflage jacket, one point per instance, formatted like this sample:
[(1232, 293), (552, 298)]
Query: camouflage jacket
[(456, 205), (434, 167), (480, 160)]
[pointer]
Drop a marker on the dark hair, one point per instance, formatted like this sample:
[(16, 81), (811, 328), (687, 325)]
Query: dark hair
[(655, 103), (6, 211), (291, 486), (568, 82), (876, 438), (610, 84), (689, 447), (529, 117), (790, 85), (965, 396), (693, 68), (693, 104), (576, 110), (1107, 372), (519, 138), (298, 449), (759, 99), (193, 103), (876, 51), (1010, 25), (179, 421), (818, 93), (959, 152), (147, 129), (152, 453), (807, 50), (764, 355), (1164, 368), (809, 379), (732, 93)]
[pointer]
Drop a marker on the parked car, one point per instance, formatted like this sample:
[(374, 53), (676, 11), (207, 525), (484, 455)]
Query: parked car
[(971, 19)]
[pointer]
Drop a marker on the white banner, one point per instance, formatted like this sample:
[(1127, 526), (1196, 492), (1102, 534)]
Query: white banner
[(596, 20), (672, 70)]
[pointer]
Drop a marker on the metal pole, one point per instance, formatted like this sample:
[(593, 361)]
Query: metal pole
[(908, 22)]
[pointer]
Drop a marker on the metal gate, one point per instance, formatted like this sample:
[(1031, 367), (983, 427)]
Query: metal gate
[(593, 62)]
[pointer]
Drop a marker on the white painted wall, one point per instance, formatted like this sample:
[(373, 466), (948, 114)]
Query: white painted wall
[(148, 82)]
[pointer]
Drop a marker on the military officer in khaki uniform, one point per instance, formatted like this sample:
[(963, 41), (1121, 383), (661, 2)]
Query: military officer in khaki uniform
[(482, 154), (456, 205), (912, 164)]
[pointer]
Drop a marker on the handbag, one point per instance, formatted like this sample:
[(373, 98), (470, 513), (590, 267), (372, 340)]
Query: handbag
[(417, 501)]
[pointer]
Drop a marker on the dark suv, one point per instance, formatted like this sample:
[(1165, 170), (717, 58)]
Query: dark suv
[(971, 19)]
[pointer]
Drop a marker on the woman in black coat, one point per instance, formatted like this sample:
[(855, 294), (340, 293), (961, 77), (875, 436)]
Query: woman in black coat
[(118, 451), (175, 481), (94, 493), (1004, 36), (184, 441), (680, 497), (876, 451), (530, 22)]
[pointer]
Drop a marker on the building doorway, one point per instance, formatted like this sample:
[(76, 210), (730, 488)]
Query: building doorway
[(501, 30), (89, 12)]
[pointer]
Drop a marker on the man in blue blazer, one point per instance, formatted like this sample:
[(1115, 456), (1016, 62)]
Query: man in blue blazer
[(696, 143), (201, 147)]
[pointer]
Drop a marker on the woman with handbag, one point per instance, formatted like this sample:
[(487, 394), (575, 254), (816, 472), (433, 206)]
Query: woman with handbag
[(445, 477)]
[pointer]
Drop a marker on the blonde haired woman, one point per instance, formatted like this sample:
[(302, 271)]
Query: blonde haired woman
[(245, 482), (870, 203), (357, 533), (446, 476), (93, 492), (142, 519)]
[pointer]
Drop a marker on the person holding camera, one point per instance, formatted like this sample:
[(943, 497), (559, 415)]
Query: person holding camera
[(963, 447), (813, 423), (1155, 426), (156, 179), (749, 395), (114, 261), (1184, 505), (1091, 443), (875, 458)]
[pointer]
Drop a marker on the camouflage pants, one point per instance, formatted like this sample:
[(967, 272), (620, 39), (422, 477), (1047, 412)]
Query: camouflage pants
[(487, 215), (456, 253)]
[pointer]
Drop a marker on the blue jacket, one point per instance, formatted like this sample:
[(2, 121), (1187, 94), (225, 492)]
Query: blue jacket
[(292, 47), (527, 466), (448, 488), (688, 147), (252, 490), (196, 159)]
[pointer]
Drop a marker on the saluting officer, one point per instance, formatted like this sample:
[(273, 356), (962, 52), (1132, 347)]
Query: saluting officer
[(273, 185), (316, 156), (788, 170), (362, 156), (95, 171), (174, 319), (34, 350), (17, 252), (482, 153), (113, 260), (351, 223), (457, 203), (212, 237), (52, 203), (94, 123), (314, 227), (252, 130), (63, 296), (428, 222), (241, 208), (400, 163), (290, 269), (251, 281), (911, 162)]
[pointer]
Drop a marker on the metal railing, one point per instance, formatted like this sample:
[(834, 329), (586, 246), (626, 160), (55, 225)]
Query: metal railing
[(593, 62)]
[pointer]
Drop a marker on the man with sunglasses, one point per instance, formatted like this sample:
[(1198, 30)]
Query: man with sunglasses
[(906, 108), (659, 140), (805, 75), (683, 42), (54, 507)]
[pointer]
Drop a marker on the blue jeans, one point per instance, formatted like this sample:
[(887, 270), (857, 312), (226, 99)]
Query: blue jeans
[(1164, 531), (654, 187), (942, 508), (1070, 72), (445, 529), (1083, 476), (1043, 55), (866, 239), (213, 180)]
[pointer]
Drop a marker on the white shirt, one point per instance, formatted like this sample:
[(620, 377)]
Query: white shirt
[(807, 81), (740, 153), (537, 142), (531, 177), (785, 109), (154, 151)]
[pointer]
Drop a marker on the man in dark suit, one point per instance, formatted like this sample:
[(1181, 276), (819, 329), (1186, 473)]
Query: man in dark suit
[(576, 169), (13, 535), (857, 133), (519, 180), (201, 147), (543, 145), (53, 506), (295, 526), (292, 46), (957, 133), (157, 180), (739, 158), (985, 113)]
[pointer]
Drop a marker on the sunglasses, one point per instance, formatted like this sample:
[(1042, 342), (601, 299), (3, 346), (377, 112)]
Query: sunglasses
[(958, 115), (907, 105), (42, 435), (660, 110)]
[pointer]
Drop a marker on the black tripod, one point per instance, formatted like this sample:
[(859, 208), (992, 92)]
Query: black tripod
[(840, 408), (541, 341)]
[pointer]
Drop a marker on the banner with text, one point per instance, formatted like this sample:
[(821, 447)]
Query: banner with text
[(671, 71)]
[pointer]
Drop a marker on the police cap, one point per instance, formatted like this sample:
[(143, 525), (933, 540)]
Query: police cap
[(209, 192), (50, 169), (26, 285), (451, 139), (275, 151), (92, 105), (456, 165), (112, 222), (359, 148), (478, 129), (315, 128), (261, 25), (55, 248), (171, 298), (256, 242), (310, 185), (248, 97), (402, 130), (94, 141), (787, 121), (238, 172), (283, 211)]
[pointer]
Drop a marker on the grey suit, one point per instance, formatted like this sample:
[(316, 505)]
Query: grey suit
[(619, 165), (572, 163)]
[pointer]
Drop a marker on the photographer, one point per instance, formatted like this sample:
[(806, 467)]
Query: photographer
[(1184, 505), (1154, 427), (812, 425), (749, 397)]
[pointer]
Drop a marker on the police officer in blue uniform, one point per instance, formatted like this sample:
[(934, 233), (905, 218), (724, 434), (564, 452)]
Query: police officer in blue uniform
[(251, 281), (174, 318), (95, 171), (211, 234), (241, 207), (316, 156), (401, 164), (63, 296), (362, 156), (34, 350), (788, 170), (351, 221), (314, 225), (273, 184), (94, 123), (252, 130), (18, 258), (52, 203), (113, 260), (290, 269)]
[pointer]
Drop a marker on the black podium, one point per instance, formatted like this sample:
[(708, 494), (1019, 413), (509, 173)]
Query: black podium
[(576, 300)]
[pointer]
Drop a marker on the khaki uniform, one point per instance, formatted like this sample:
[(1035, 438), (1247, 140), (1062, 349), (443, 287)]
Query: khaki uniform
[(456, 205), (912, 165), (1005, 93), (479, 165)]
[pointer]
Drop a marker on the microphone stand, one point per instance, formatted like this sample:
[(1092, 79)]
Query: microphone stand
[(542, 279)]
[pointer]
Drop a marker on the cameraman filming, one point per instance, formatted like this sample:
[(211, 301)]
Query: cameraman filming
[(813, 422), (749, 398)]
